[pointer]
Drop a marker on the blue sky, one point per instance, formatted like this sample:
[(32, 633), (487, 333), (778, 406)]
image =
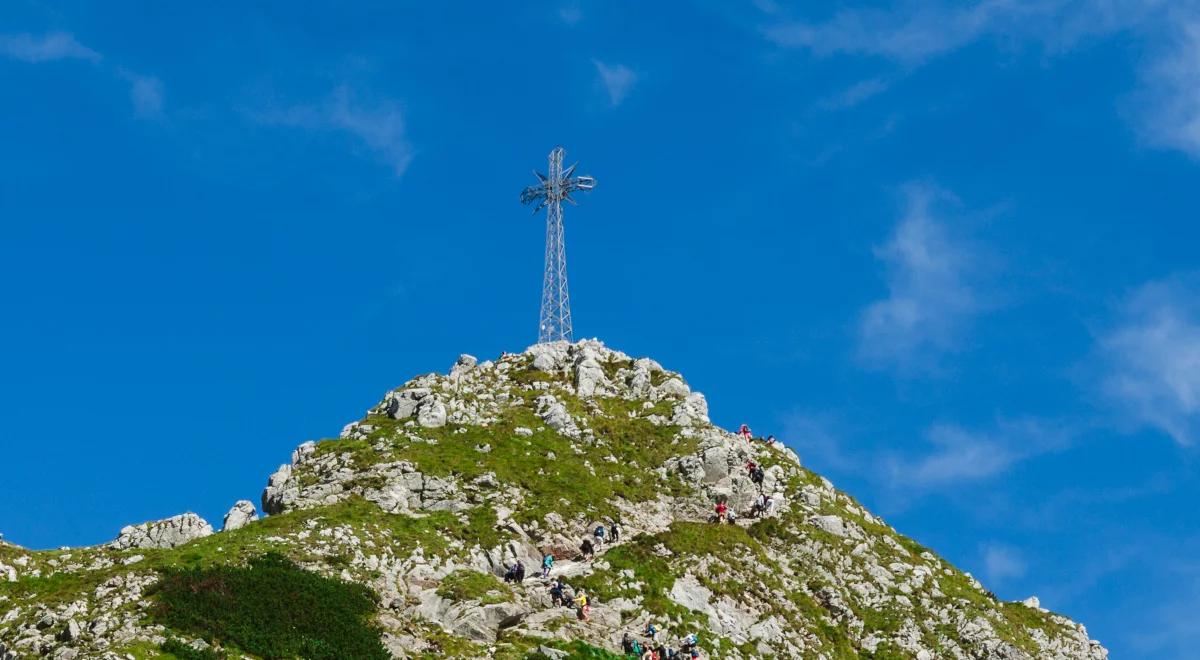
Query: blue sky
[(947, 250)]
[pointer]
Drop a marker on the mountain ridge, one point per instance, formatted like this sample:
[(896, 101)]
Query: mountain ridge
[(450, 479)]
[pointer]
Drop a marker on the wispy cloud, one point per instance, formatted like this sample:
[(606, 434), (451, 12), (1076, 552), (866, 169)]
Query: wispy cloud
[(854, 94), (1151, 358), (377, 125), (910, 35), (145, 92), (45, 48), (617, 79), (570, 13), (933, 291), (1168, 103), (814, 436), (914, 32), (1002, 563), (962, 456)]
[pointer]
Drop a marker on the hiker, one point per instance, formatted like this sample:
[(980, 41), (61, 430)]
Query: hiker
[(588, 549), (745, 433), (614, 531), (689, 642), (665, 652), (547, 564), (510, 574), (762, 505), (648, 654), (581, 604), (751, 466), (557, 596), (770, 441), (599, 534), (651, 631), (520, 576), (722, 510), (627, 643), (757, 475)]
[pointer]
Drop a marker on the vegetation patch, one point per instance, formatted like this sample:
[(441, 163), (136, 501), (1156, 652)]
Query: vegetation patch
[(465, 584), (272, 609)]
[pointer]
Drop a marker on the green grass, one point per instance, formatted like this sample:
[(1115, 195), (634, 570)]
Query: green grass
[(272, 609), (177, 649), (465, 584)]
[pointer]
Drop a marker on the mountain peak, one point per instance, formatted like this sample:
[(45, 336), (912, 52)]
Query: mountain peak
[(605, 467)]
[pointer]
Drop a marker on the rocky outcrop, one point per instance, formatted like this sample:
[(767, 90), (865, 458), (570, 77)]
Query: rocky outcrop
[(241, 514), (505, 461), (166, 533)]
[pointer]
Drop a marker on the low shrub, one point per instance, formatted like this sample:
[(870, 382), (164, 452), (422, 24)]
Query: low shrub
[(272, 609)]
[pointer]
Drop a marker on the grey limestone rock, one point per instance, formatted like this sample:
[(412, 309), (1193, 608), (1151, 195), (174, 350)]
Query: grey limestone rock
[(166, 533), (241, 514)]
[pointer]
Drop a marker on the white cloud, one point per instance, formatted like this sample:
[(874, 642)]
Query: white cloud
[(617, 79), (914, 32), (377, 125), (1151, 358), (46, 48), (570, 13), (1001, 563), (910, 35), (932, 289), (963, 456), (1169, 100), (1166, 105), (146, 94), (854, 94), (812, 436), (960, 456)]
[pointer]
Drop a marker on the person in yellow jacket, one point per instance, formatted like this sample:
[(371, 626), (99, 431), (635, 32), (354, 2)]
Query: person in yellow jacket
[(581, 604)]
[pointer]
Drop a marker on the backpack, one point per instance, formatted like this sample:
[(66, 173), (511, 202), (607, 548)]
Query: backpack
[(600, 531), (637, 647)]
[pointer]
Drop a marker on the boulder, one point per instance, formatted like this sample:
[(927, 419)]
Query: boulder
[(280, 491), (403, 404), (831, 523), (673, 387), (431, 413), (464, 363), (242, 514), (589, 376), (692, 410), (166, 533)]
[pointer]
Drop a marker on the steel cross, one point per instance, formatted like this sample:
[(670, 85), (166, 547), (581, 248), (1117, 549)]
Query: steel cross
[(555, 187)]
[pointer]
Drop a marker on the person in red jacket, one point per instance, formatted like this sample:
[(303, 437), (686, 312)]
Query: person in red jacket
[(722, 510), (745, 433)]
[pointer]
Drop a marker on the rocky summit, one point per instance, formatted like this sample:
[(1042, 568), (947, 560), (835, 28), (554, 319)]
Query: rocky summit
[(398, 539)]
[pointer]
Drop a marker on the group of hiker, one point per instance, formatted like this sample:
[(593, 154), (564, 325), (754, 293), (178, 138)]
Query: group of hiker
[(763, 504), (600, 536), (745, 433), (515, 573), (653, 649), (562, 594)]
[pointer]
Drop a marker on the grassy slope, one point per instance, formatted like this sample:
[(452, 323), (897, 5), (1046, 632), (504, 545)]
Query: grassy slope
[(570, 478)]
